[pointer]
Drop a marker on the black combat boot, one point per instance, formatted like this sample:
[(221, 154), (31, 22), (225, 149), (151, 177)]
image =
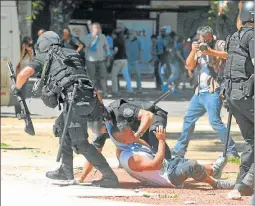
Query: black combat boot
[(65, 172), (62, 173), (109, 179)]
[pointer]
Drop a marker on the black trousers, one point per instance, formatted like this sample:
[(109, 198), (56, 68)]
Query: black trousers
[(157, 78), (243, 111), (77, 140)]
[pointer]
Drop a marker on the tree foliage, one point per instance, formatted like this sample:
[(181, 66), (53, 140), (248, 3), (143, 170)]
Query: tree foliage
[(61, 12), (225, 23), (37, 7)]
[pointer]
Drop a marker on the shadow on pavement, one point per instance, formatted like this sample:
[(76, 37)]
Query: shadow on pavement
[(200, 135), (152, 94), (19, 148), (12, 114), (206, 141)]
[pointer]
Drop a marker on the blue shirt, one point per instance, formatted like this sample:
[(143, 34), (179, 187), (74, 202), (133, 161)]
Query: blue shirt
[(110, 43), (166, 41), (133, 48), (156, 49)]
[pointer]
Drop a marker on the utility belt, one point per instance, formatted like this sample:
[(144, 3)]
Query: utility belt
[(246, 86)]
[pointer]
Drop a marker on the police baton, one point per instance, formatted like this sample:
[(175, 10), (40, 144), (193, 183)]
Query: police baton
[(228, 132), (68, 117), (163, 96)]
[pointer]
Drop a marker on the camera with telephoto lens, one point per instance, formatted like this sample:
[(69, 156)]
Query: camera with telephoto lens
[(202, 45)]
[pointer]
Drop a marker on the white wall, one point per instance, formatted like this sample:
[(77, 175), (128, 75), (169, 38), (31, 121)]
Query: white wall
[(24, 10), (170, 18), (167, 19)]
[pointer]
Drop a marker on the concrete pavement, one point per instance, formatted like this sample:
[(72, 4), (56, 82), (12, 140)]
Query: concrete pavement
[(31, 187)]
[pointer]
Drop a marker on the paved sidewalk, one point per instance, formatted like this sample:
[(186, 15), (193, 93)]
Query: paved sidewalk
[(23, 183)]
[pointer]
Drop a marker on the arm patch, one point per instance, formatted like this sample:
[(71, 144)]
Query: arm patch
[(127, 113)]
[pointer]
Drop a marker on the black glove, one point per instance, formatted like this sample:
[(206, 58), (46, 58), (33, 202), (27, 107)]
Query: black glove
[(15, 91)]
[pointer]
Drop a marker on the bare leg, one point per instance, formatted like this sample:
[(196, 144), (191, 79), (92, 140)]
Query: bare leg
[(87, 168), (208, 169)]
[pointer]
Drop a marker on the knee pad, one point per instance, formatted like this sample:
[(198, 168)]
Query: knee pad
[(80, 147), (196, 170)]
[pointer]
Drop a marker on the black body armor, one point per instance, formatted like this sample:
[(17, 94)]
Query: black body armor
[(238, 65), (63, 68)]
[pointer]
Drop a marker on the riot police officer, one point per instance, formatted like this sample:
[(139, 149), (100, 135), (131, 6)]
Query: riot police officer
[(142, 117), (239, 92), (60, 70)]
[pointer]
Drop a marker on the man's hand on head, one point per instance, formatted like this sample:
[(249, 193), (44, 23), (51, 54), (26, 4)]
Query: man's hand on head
[(160, 133)]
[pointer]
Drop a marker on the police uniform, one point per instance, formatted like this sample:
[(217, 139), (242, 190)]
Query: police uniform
[(60, 69), (125, 112), (239, 92)]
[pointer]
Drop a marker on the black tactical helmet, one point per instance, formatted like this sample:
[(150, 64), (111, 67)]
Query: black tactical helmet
[(46, 40), (247, 12)]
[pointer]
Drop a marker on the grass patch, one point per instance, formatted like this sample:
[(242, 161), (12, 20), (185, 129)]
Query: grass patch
[(229, 175), (36, 151), (234, 160), (4, 145)]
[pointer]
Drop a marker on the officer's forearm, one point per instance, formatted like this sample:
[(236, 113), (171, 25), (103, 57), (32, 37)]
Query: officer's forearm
[(23, 76), (87, 168), (141, 141), (146, 121)]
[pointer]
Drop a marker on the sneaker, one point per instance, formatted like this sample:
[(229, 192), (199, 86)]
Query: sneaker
[(139, 90), (218, 167), (176, 91), (224, 184), (106, 182), (164, 88)]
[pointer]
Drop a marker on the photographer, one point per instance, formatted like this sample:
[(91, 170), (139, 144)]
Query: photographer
[(26, 56), (207, 56)]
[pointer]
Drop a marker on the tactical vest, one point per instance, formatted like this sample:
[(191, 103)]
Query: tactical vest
[(238, 65), (113, 108), (63, 68)]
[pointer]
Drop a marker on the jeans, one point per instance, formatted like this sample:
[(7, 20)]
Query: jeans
[(120, 65), (199, 105), (175, 73), (127, 77), (133, 65), (181, 169)]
